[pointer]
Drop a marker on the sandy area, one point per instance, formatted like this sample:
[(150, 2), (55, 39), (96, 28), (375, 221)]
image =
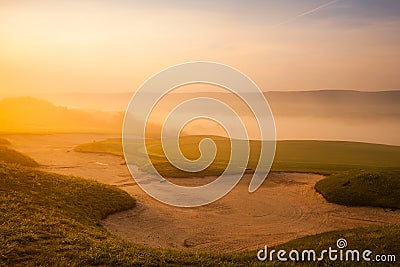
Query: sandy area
[(285, 207)]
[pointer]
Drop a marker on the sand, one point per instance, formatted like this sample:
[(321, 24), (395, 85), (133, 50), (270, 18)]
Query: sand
[(285, 207)]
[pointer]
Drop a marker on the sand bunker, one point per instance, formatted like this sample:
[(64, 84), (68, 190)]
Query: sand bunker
[(285, 207)]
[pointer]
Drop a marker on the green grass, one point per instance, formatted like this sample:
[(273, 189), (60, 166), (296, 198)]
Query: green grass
[(297, 156), (9, 155), (50, 219), (110, 146), (332, 156), (365, 188), (361, 174)]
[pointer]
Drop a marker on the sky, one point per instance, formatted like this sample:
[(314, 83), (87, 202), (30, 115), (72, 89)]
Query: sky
[(49, 47)]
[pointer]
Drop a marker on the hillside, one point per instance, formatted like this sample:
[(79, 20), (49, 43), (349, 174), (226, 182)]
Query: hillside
[(8, 155), (53, 219)]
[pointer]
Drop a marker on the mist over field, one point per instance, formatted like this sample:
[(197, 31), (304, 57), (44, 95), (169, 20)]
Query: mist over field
[(32, 115), (372, 117)]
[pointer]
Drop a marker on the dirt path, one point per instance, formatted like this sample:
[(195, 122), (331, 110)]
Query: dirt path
[(285, 207)]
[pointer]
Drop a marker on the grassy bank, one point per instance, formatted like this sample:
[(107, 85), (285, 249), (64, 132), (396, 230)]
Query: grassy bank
[(49, 218), (8, 155), (365, 188)]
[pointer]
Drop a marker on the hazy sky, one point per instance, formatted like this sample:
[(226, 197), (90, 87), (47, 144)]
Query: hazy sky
[(113, 46)]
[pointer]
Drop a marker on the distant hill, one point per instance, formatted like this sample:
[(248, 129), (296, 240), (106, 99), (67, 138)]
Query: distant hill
[(32, 115), (372, 117), (319, 103), (336, 103)]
